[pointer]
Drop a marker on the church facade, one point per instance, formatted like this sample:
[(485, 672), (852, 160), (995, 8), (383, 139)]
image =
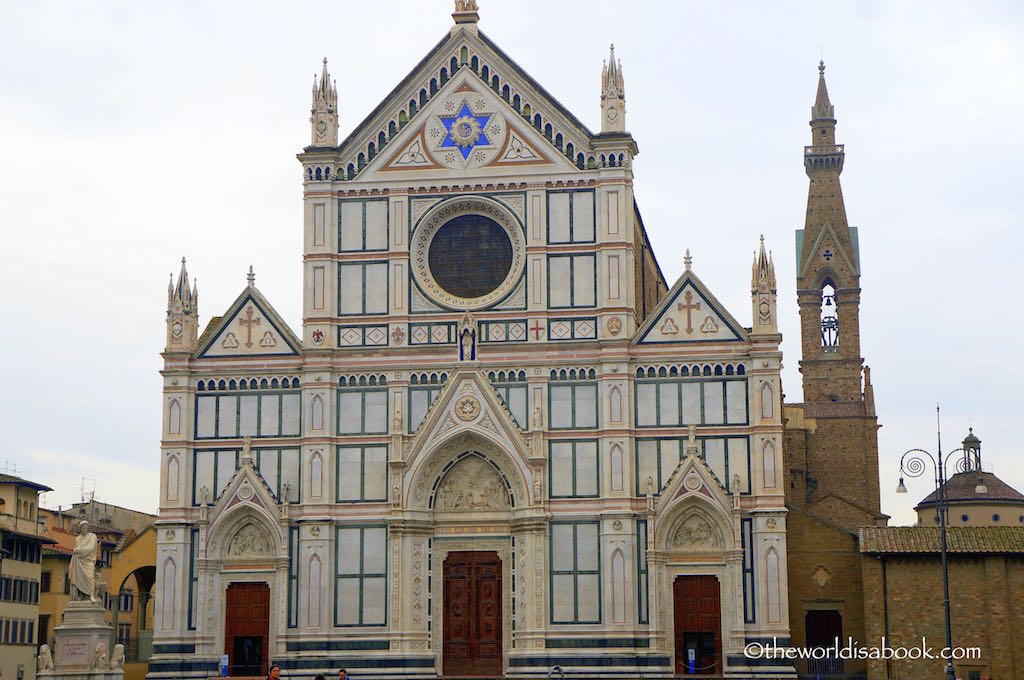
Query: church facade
[(500, 441)]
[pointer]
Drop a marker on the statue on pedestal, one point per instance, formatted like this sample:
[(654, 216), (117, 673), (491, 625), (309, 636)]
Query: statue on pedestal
[(82, 572)]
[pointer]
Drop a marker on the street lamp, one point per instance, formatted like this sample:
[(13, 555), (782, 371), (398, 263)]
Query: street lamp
[(915, 466)]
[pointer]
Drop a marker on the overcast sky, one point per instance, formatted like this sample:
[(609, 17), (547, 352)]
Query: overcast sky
[(133, 133)]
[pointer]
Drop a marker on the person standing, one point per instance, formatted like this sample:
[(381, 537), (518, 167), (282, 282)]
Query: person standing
[(274, 673)]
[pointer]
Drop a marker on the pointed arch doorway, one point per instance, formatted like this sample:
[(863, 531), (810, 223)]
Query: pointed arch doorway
[(247, 628), (472, 614), (697, 605)]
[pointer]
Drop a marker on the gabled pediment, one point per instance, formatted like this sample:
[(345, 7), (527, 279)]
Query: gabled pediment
[(692, 476), (466, 126), (250, 327), (533, 121), (829, 248), (247, 489), (689, 313), (468, 404)]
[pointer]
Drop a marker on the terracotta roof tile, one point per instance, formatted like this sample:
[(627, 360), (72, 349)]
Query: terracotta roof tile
[(965, 540)]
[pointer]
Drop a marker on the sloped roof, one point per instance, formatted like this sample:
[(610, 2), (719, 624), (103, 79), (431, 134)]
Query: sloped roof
[(12, 479), (927, 540), (960, 489)]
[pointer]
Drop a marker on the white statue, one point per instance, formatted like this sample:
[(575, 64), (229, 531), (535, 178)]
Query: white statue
[(82, 572), (117, 658), (101, 656), (44, 662)]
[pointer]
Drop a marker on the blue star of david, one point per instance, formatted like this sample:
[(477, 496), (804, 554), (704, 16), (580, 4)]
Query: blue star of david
[(465, 131)]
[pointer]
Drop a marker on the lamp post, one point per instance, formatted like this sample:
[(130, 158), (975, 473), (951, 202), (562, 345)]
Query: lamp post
[(913, 463)]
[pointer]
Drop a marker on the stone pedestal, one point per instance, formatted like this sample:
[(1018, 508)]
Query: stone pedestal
[(83, 646)]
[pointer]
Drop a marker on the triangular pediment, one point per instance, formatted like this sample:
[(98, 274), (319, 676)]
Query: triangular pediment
[(827, 248), (246, 488), (468, 404), (692, 477), (464, 59), (466, 128), (689, 313), (250, 327)]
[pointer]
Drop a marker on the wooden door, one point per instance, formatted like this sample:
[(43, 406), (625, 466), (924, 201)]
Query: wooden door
[(247, 628), (472, 614), (822, 628), (698, 625)]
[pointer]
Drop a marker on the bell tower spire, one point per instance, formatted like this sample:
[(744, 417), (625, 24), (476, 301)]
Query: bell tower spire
[(323, 116), (182, 314), (828, 269), (613, 95)]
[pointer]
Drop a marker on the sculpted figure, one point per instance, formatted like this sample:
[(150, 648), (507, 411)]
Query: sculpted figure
[(82, 572), (117, 658), (44, 662), (101, 656)]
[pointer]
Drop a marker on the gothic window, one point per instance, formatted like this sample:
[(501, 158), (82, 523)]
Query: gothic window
[(829, 318), (293, 577), (362, 473), (571, 281), (362, 225), (573, 469), (575, 573), (363, 288), (515, 396), (571, 216), (573, 405), (360, 592), (641, 571)]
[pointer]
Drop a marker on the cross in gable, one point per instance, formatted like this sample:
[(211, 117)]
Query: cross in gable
[(689, 307), (248, 322)]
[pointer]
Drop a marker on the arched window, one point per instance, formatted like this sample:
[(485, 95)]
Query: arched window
[(829, 318)]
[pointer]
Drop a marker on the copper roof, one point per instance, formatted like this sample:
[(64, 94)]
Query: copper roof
[(925, 540), (960, 489)]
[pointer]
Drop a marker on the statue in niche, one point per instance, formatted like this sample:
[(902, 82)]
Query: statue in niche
[(695, 532), (250, 540), (467, 338), (82, 571)]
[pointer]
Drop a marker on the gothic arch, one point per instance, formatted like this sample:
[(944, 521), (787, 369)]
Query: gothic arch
[(693, 523), (174, 417), (227, 527), (827, 275), (429, 468)]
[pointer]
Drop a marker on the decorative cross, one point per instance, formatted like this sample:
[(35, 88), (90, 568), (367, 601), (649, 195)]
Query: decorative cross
[(827, 255), (249, 322), (536, 328), (689, 307)]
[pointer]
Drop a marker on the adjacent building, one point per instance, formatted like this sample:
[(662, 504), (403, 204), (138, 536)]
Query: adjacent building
[(22, 541)]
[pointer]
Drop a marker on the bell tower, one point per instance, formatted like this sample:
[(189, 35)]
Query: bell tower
[(828, 269)]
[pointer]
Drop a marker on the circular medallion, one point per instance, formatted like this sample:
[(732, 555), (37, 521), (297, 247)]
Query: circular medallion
[(245, 492), (468, 252), (467, 408), (176, 328)]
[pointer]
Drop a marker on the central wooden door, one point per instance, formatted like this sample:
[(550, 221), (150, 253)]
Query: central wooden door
[(247, 628), (472, 614), (698, 625)]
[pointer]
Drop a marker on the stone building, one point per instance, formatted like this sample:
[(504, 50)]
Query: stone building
[(500, 441), (21, 545), (831, 445), (902, 573)]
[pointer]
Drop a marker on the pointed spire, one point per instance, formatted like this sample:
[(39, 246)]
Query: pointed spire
[(822, 109), (182, 292), (764, 268), (251, 277), (324, 111), (613, 94), (170, 289)]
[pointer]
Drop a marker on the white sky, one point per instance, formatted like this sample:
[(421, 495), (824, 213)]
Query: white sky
[(134, 133)]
